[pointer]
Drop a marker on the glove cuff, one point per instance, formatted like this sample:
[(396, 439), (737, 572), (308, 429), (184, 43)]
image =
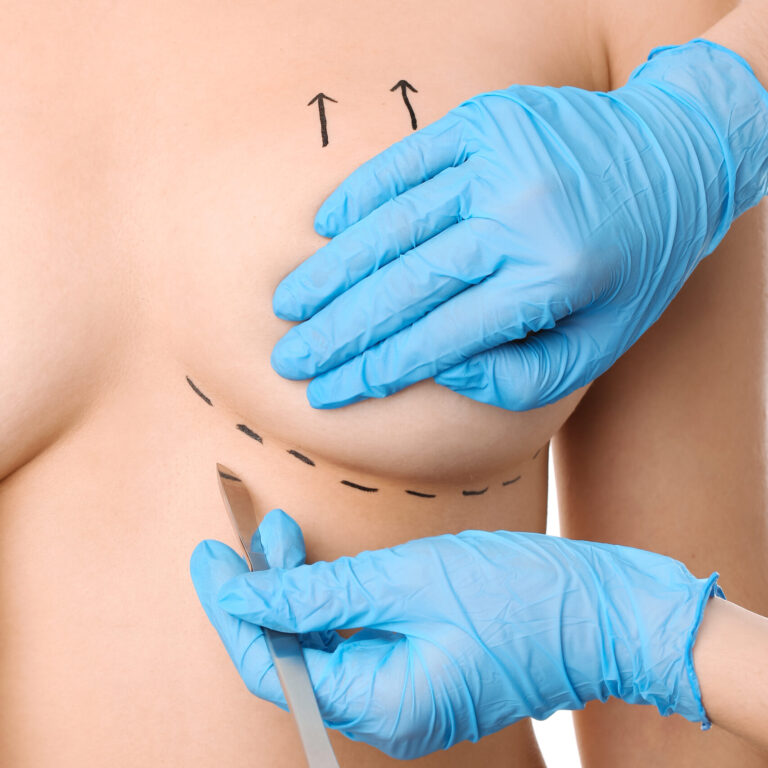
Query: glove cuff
[(722, 89), (650, 610), (666, 676), (691, 707)]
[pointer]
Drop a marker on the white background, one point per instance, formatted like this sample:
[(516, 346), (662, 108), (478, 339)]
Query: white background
[(556, 736)]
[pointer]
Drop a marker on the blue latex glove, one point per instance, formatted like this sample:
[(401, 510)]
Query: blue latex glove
[(572, 215), (213, 563), (468, 633)]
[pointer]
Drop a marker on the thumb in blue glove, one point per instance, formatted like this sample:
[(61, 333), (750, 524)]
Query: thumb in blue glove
[(468, 633)]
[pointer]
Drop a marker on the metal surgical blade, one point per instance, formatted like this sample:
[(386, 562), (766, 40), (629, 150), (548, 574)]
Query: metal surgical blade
[(284, 648)]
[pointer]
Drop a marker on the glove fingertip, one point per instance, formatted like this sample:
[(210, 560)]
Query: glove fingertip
[(209, 552), (201, 552), (323, 227), (285, 304), (291, 357), (198, 559), (328, 222), (318, 395), (323, 395), (279, 518), (282, 540)]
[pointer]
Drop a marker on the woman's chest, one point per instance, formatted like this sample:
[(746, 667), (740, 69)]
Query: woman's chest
[(163, 165)]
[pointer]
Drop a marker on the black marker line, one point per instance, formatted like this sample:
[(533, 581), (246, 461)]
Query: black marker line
[(513, 480), (249, 432), (537, 453), (422, 495), (403, 85), (229, 477), (192, 384), (301, 457), (359, 487), (474, 493), (321, 109)]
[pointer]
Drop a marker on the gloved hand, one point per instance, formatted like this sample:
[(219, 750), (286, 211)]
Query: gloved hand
[(570, 215), (213, 563), (465, 634)]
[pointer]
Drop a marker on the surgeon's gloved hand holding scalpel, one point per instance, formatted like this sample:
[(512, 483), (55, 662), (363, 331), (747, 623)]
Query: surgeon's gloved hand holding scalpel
[(516, 247), (464, 634)]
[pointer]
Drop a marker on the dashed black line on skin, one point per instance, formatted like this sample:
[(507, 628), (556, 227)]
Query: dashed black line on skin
[(205, 397), (358, 487), (248, 431), (301, 457), (537, 453)]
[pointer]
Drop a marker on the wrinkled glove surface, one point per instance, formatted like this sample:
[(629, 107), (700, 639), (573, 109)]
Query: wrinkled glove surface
[(515, 248), (463, 634)]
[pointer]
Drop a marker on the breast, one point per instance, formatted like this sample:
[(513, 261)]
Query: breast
[(190, 164), (226, 200)]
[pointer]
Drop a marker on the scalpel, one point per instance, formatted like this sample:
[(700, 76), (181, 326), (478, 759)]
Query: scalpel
[(284, 648)]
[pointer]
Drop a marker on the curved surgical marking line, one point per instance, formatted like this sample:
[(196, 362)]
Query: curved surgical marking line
[(301, 457), (359, 487), (536, 454), (192, 384), (248, 431)]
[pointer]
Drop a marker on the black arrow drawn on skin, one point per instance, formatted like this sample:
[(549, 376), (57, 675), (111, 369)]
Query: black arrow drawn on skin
[(321, 109), (403, 85)]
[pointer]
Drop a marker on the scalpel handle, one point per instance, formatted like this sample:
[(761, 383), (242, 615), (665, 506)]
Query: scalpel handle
[(297, 688)]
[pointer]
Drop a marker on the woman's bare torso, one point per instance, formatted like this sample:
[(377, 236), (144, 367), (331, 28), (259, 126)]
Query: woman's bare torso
[(161, 168)]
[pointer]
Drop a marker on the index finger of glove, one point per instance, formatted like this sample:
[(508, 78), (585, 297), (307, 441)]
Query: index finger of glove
[(408, 162), (369, 590)]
